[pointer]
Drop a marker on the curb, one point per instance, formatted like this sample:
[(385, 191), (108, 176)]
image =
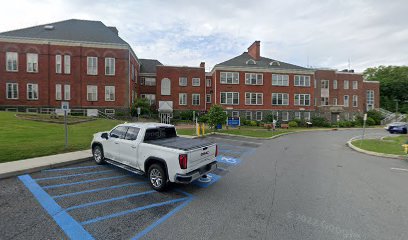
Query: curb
[(19, 167), (357, 149)]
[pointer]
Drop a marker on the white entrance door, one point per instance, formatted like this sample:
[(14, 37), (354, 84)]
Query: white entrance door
[(165, 118)]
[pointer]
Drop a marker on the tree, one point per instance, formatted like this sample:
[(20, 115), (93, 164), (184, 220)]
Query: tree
[(393, 85), (144, 107), (216, 116)]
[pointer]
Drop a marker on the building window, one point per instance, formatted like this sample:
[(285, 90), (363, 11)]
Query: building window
[(280, 80), (58, 92), (67, 92), (253, 98), (58, 64), (165, 86), (229, 78), (306, 116), (324, 101), (183, 81), (132, 72), (297, 115), (12, 90), (280, 99), (12, 61), (208, 82), (324, 84), (151, 98), (302, 81), (346, 100), (355, 101), (208, 98), (235, 114), (285, 116), (67, 64), (110, 111), (150, 81), (335, 101), (248, 115), (346, 84), (302, 99), (355, 85), (182, 98), (258, 116), (32, 91), (334, 84), (109, 93), (195, 99), (32, 62), (253, 79), (370, 100), (196, 82), (92, 93), (229, 98), (92, 68), (315, 83), (109, 66)]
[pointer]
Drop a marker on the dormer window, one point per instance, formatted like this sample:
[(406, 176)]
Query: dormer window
[(274, 63), (250, 62)]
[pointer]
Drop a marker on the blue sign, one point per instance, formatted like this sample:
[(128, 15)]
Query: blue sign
[(233, 121)]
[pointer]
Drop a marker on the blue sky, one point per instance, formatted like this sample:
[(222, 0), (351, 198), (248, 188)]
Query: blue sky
[(178, 32)]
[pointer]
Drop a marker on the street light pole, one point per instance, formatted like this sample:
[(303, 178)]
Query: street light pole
[(396, 109)]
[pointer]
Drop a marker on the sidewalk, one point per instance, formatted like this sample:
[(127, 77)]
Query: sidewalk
[(15, 168)]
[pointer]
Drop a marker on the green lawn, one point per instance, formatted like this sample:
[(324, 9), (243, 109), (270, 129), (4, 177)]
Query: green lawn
[(22, 139), (391, 145)]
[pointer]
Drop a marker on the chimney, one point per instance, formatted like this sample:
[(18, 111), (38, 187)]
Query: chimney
[(115, 30), (202, 65), (255, 50)]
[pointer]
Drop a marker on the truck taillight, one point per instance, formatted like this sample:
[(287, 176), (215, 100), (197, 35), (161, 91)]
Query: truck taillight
[(183, 161), (216, 150)]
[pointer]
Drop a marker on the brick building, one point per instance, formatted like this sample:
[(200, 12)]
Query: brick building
[(83, 62), (89, 65)]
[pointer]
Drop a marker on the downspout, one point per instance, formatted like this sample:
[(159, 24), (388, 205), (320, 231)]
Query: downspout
[(129, 88), (49, 75)]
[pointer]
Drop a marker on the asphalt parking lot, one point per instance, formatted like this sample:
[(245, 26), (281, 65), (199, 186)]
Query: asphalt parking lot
[(89, 201)]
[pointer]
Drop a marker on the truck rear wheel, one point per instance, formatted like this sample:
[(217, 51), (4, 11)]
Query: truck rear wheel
[(157, 177)]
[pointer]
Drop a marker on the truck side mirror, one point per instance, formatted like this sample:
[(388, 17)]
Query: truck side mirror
[(105, 135)]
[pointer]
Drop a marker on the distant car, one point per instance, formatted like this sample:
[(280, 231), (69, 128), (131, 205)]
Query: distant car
[(397, 127)]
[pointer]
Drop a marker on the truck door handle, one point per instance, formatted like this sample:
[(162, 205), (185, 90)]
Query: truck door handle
[(133, 146), (116, 143)]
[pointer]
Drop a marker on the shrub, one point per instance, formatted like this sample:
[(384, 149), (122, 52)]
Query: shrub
[(253, 123), (293, 124), (376, 116), (370, 121), (144, 107), (345, 124), (320, 122), (119, 114), (216, 115), (203, 118), (269, 118), (186, 115)]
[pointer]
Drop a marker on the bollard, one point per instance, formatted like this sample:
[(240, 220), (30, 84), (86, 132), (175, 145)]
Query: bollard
[(198, 129), (405, 146), (203, 129)]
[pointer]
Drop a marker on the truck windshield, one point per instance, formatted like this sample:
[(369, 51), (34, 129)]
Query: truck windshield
[(160, 133)]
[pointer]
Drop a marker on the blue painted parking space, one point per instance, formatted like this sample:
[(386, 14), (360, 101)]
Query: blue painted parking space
[(211, 179)]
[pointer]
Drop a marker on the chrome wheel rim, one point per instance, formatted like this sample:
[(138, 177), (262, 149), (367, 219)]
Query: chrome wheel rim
[(156, 178), (97, 155)]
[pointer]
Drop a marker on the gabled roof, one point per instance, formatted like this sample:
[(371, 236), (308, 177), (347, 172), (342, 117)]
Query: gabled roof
[(70, 30), (246, 60), (149, 65)]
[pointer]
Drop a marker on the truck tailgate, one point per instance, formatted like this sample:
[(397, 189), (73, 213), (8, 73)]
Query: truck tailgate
[(199, 156)]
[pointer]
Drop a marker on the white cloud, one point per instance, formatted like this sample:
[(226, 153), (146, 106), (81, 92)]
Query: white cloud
[(181, 32)]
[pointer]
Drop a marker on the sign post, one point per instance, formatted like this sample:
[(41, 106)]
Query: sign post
[(138, 113), (364, 126), (65, 108)]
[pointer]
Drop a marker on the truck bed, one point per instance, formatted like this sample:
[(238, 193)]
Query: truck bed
[(181, 143)]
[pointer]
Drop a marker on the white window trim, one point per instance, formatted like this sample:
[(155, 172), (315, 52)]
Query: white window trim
[(335, 86), (344, 84), (195, 85), (17, 95), (248, 79), (250, 98), (226, 94), (355, 85), (107, 96), (306, 116), (236, 113), (306, 79), (250, 115), (67, 89), (277, 104), (208, 80), (58, 64), (186, 82), (192, 99), (150, 80), (285, 116), (304, 98), (180, 98), (34, 63), (58, 89), (233, 81), (87, 93), (206, 98), (67, 64), (34, 87), (324, 84), (256, 115), (280, 78), (335, 101), (10, 54), (348, 101), (88, 67), (355, 97), (110, 111), (112, 68)]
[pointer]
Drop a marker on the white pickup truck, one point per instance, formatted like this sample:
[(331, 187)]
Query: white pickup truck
[(156, 150)]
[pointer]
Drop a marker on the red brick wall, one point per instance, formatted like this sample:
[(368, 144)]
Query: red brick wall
[(267, 89), (78, 79), (174, 73), (210, 90)]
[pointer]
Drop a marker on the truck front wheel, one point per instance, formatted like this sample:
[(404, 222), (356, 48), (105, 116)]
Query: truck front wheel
[(157, 177), (97, 153)]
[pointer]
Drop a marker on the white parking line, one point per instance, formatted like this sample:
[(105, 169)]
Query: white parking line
[(400, 169)]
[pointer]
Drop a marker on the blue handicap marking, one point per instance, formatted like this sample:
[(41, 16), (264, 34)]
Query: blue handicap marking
[(228, 160), (212, 178)]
